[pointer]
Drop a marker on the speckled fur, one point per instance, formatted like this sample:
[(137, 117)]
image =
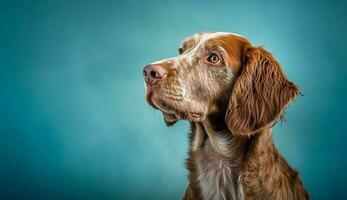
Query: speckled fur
[(231, 106)]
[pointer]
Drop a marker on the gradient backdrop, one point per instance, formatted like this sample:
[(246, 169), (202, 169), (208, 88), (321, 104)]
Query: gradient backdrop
[(73, 120)]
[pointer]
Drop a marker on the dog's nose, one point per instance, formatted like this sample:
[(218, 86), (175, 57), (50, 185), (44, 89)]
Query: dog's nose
[(153, 73)]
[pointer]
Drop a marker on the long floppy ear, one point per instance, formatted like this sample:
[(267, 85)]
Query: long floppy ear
[(260, 93)]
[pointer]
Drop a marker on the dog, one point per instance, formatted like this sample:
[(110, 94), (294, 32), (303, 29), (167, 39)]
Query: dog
[(232, 94)]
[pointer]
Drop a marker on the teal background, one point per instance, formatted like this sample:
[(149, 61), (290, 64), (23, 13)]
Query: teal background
[(73, 120)]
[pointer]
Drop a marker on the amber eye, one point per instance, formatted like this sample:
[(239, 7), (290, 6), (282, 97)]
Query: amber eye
[(213, 58), (180, 50)]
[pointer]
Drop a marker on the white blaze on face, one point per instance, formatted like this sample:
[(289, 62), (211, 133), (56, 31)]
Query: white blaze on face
[(201, 39)]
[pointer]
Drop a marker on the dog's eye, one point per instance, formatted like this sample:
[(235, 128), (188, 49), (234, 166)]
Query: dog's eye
[(213, 58), (180, 51)]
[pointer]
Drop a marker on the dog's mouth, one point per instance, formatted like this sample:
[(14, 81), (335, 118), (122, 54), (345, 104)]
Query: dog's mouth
[(170, 112)]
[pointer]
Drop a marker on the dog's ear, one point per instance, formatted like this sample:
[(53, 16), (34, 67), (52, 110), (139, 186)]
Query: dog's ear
[(260, 93)]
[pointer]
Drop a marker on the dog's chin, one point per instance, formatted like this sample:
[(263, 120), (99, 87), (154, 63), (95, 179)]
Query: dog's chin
[(170, 119)]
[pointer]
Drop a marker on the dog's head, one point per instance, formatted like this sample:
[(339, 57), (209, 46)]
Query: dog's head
[(220, 73)]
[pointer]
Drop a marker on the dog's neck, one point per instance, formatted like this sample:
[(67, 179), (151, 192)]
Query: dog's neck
[(221, 159), (225, 145), (218, 156)]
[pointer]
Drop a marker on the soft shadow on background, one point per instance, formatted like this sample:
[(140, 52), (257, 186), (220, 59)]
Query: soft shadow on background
[(73, 120)]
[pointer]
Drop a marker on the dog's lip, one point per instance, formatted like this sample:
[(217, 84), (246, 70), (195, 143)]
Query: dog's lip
[(195, 115), (175, 114), (172, 114), (156, 102), (161, 105), (191, 116)]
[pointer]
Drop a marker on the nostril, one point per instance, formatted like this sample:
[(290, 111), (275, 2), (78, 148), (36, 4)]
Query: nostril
[(153, 74)]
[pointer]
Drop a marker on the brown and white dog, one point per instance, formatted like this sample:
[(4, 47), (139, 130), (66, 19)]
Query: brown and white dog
[(232, 94)]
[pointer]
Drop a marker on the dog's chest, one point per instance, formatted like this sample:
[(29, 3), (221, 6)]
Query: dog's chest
[(217, 178)]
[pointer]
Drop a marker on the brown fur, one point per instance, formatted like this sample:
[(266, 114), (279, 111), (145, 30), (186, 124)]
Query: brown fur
[(260, 94), (231, 106)]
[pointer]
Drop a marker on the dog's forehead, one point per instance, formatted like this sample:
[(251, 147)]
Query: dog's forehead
[(199, 39), (195, 44)]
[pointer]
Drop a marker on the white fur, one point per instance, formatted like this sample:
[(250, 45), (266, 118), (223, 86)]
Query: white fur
[(217, 178), (202, 39)]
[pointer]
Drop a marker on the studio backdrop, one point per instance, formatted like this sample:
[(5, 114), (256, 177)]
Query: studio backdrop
[(74, 123)]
